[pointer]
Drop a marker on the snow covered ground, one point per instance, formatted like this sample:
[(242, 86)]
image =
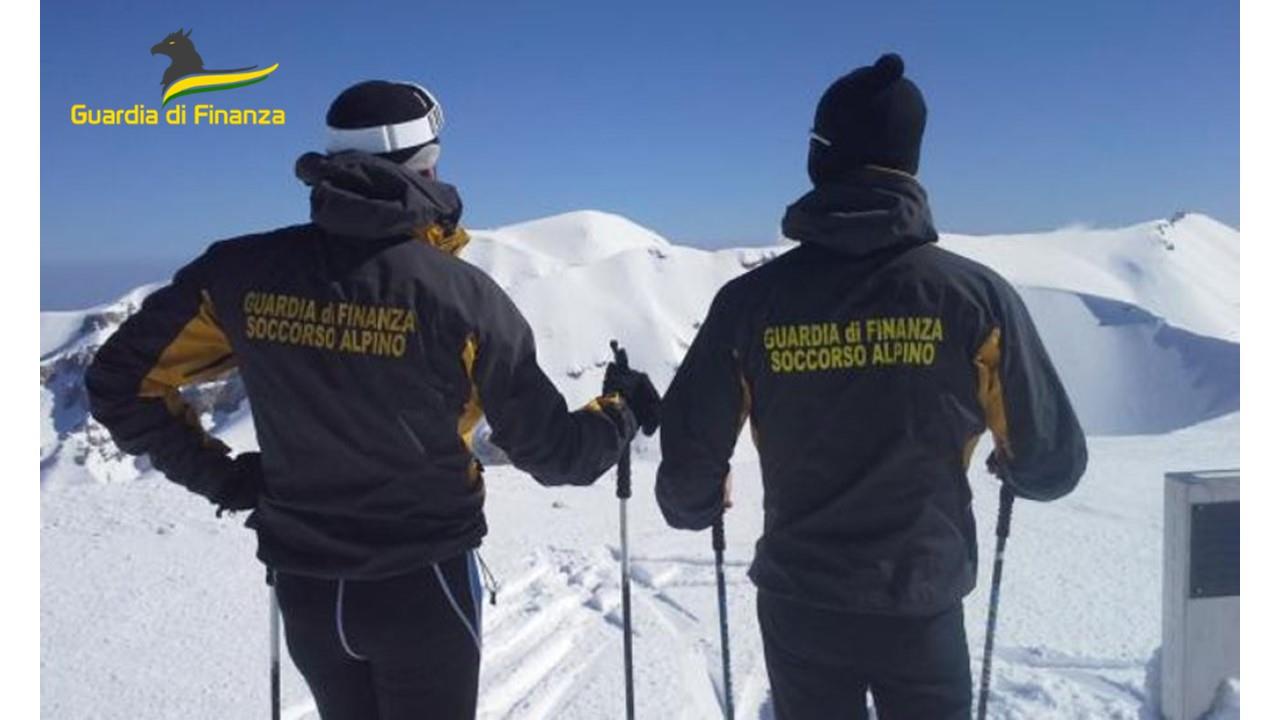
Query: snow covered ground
[(152, 607)]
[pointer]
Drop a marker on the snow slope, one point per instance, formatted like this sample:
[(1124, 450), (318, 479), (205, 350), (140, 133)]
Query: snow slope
[(152, 607)]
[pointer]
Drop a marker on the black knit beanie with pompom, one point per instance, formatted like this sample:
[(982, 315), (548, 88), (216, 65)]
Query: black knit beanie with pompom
[(872, 116)]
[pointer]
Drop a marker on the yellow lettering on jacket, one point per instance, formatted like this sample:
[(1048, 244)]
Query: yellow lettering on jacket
[(882, 341), (347, 327)]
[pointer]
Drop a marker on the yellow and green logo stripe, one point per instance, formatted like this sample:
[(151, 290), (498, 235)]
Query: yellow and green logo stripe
[(208, 82)]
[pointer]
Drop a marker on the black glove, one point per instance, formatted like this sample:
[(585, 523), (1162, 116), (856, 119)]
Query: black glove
[(996, 465), (244, 486), (624, 421), (639, 393)]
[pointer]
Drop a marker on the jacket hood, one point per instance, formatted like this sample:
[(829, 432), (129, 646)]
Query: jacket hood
[(868, 210), (361, 195)]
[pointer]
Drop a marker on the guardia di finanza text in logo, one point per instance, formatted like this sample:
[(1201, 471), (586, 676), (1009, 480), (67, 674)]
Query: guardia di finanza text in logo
[(187, 75)]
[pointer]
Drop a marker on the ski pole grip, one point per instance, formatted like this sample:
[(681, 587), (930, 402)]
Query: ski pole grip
[(619, 355), (1005, 516), (717, 534), (624, 460)]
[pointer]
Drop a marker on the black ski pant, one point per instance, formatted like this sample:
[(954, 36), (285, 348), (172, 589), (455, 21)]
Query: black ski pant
[(822, 663), (402, 648)]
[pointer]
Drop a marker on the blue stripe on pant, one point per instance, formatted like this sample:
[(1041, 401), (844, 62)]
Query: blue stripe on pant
[(473, 622), (477, 596)]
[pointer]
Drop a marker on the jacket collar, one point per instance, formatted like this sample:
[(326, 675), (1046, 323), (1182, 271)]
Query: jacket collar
[(364, 196), (868, 210)]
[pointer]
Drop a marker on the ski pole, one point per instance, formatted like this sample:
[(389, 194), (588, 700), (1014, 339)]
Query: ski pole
[(624, 492), (993, 605), (274, 624), (717, 543)]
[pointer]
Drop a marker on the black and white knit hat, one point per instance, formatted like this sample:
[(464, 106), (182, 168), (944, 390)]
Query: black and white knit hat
[(400, 121)]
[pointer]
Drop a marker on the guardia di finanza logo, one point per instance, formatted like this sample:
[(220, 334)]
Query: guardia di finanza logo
[(187, 75)]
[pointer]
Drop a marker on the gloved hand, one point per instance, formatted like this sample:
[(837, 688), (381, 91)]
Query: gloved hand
[(997, 466), (639, 393), (620, 415), (244, 486)]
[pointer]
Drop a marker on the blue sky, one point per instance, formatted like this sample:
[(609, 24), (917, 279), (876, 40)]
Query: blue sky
[(689, 118)]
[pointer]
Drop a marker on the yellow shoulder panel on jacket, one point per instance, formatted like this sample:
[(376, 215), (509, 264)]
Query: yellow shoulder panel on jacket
[(200, 351), (991, 392), (472, 411)]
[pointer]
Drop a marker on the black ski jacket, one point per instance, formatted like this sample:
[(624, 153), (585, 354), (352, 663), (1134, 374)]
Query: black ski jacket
[(368, 355), (869, 361)]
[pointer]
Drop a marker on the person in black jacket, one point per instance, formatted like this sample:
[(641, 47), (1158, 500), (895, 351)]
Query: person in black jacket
[(868, 362), (369, 352)]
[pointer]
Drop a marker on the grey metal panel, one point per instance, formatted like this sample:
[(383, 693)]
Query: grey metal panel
[(1215, 549)]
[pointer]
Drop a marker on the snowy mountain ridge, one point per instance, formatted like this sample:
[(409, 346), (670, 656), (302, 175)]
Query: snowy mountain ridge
[(1143, 321), (1185, 270)]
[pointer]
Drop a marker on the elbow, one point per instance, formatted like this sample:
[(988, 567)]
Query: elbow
[(100, 390), (1076, 468), (562, 477), (547, 480), (680, 520), (679, 513), (1055, 481), (114, 403), (108, 382)]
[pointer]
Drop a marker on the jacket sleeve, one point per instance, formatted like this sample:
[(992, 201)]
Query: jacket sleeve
[(529, 418), (1038, 438), (702, 415), (171, 341)]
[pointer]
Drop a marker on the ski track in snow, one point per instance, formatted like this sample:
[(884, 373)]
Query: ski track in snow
[(569, 611)]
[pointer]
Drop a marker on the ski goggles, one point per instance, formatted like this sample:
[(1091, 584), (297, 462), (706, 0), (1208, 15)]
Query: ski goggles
[(397, 136)]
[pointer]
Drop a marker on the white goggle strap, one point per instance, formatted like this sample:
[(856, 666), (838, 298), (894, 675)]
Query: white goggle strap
[(389, 138), (435, 115)]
